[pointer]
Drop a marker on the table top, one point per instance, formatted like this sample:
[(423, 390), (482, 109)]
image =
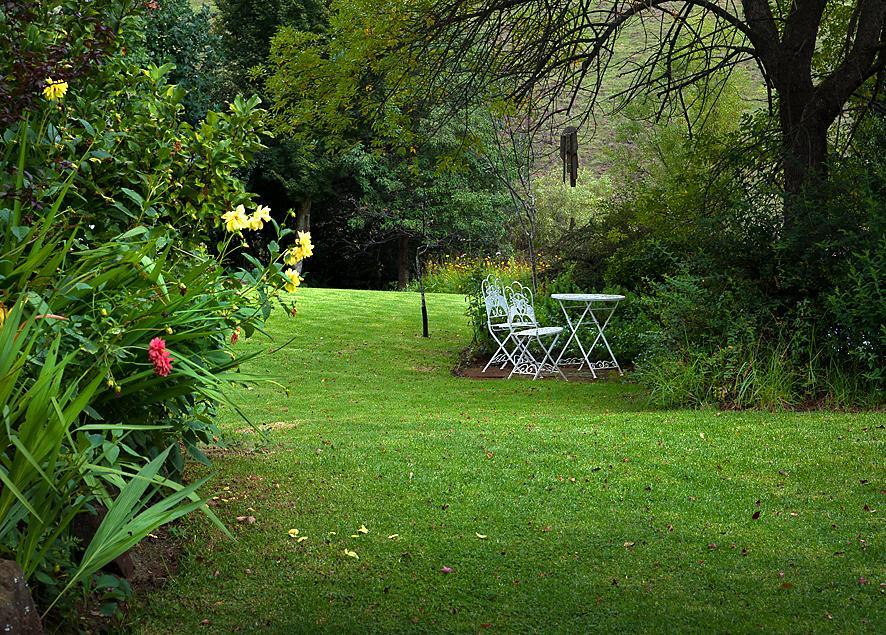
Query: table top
[(586, 297)]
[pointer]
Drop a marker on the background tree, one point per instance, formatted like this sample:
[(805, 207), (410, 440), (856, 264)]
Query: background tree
[(340, 95), (292, 173), (247, 27), (175, 32), (512, 159)]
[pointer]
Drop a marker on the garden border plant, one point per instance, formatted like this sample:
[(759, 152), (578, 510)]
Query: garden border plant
[(120, 308)]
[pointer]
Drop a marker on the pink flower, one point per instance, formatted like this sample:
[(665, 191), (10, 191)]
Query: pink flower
[(159, 357), (446, 570)]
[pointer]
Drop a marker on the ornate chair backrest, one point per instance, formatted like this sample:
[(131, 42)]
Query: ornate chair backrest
[(493, 292), (520, 308)]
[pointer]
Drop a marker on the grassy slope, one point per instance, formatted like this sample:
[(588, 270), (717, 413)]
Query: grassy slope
[(560, 477)]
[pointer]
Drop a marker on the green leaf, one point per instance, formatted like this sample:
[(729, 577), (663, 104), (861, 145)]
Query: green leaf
[(135, 196), (20, 232)]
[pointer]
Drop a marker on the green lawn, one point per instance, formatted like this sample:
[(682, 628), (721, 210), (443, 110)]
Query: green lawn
[(600, 514)]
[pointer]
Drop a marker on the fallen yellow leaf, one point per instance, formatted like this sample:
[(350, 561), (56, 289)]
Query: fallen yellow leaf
[(301, 538), (393, 536), (363, 529), (481, 536), (293, 532), (351, 554)]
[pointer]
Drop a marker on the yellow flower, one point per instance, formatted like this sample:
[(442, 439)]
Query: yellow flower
[(263, 212), (293, 280), (3, 313), (304, 241), (54, 90), (302, 249), (261, 216), (236, 219)]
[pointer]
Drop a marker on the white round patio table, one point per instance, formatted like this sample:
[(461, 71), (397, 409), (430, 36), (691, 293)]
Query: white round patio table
[(600, 307)]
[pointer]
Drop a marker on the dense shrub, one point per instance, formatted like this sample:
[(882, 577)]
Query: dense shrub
[(734, 306), (857, 314), (119, 310)]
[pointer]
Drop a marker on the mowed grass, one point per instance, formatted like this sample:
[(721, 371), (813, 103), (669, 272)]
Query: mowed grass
[(599, 514)]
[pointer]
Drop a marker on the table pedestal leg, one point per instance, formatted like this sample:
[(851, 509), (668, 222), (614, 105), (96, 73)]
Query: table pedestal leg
[(601, 336), (573, 335)]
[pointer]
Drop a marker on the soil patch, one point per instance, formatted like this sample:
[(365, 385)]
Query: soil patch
[(156, 559), (473, 369)]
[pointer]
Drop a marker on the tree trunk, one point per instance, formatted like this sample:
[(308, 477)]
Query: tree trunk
[(303, 224), (804, 138), (804, 129), (403, 262), (805, 149)]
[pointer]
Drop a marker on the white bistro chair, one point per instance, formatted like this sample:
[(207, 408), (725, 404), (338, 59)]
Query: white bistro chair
[(498, 322), (521, 313)]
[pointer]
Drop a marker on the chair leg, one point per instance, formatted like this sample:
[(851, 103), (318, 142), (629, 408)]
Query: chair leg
[(525, 356), (509, 356), (518, 356), (548, 356), (501, 348), (551, 357)]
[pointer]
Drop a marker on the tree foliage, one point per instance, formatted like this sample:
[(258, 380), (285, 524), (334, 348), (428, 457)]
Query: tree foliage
[(176, 33), (557, 51), (353, 109), (247, 27)]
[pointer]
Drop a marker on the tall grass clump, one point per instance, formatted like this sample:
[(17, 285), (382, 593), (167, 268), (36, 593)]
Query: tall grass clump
[(462, 274), (730, 356)]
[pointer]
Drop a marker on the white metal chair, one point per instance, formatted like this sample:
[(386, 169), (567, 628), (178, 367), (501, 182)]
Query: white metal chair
[(498, 322), (521, 312)]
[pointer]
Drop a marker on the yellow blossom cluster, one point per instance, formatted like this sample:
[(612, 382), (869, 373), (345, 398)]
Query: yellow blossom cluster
[(292, 280), (236, 220), (54, 90), (260, 216), (302, 249)]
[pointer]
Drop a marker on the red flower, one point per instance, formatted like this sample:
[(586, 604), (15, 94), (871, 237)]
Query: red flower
[(159, 357)]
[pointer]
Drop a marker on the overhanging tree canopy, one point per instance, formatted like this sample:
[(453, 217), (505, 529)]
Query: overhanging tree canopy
[(813, 55)]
